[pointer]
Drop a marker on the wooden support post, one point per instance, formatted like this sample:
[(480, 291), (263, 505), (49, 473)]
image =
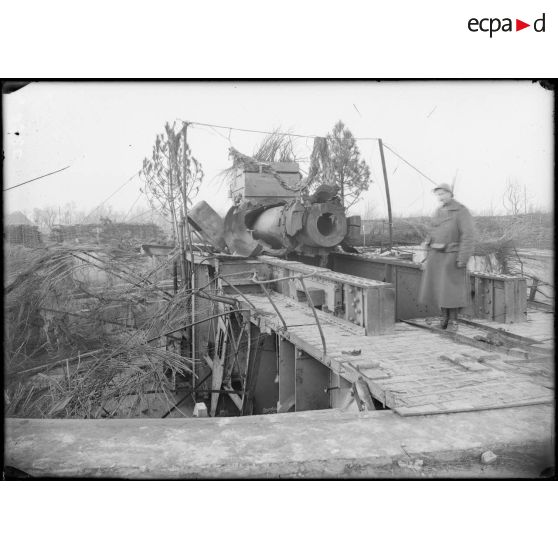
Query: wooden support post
[(286, 376), (339, 391), (388, 199), (189, 280), (533, 289), (266, 389), (312, 382), (218, 362), (257, 341)]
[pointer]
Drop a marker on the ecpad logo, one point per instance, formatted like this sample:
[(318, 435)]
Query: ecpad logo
[(493, 25)]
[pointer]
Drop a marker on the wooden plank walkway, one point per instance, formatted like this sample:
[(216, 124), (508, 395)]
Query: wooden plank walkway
[(413, 371), (539, 327)]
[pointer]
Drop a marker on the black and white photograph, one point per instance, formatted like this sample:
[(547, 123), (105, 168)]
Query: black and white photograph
[(278, 279)]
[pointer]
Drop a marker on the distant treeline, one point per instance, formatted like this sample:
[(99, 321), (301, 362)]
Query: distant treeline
[(532, 230), (109, 233)]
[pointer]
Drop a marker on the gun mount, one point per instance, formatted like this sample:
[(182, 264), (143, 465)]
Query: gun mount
[(271, 215)]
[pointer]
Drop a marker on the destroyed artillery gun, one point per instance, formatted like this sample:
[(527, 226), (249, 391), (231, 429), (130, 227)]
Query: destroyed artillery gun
[(272, 214)]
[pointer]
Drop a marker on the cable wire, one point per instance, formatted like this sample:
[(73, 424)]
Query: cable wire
[(192, 123), (410, 164), (33, 179), (290, 134), (113, 194), (132, 207)]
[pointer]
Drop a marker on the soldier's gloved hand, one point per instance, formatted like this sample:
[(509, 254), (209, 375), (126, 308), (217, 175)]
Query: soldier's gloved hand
[(461, 264)]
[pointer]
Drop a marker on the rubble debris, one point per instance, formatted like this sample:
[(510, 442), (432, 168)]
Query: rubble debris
[(352, 352), (490, 339), (55, 309), (200, 410), (414, 465), (488, 457), (204, 219)]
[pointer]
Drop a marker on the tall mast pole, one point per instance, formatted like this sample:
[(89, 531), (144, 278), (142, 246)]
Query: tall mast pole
[(191, 267), (388, 200)]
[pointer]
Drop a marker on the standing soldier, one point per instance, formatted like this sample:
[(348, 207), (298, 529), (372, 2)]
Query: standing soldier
[(450, 244)]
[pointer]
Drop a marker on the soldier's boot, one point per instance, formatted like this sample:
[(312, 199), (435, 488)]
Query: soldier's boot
[(438, 323), (452, 321), (452, 326)]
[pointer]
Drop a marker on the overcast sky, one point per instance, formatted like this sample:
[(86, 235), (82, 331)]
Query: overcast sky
[(486, 132)]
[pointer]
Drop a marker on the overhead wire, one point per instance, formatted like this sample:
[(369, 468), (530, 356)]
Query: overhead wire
[(291, 134), (48, 173), (113, 194), (213, 127), (37, 178), (410, 164), (140, 215), (132, 207), (228, 139)]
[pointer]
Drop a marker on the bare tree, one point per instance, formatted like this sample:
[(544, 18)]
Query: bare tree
[(67, 213), (368, 215), (513, 198), (46, 217)]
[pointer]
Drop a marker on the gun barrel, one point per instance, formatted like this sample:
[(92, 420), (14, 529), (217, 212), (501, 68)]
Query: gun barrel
[(321, 225)]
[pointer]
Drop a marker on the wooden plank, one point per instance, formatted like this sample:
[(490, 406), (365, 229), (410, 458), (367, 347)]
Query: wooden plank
[(221, 342), (257, 341), (483, 395), (367, 373), (407, 279), (533, 289), (266, 389), (340, 391), (399, 382), (499, 331), (479, 299), (321, 273), (364, 394), (312, 382), (488, 297), (464, 339), (433, 410), (522, 300), (266, 185), (286, 376), (511, 292), (499, 301), (236, 400)]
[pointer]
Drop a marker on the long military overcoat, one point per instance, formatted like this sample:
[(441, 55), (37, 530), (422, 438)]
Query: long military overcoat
[(450, 242)]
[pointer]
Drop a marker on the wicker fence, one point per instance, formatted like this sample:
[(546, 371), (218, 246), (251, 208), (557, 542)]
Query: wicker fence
[(25, 235), (109, 233)]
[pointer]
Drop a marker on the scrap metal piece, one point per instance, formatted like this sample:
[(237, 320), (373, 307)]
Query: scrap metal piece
[(238, 239), (206, 220)]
